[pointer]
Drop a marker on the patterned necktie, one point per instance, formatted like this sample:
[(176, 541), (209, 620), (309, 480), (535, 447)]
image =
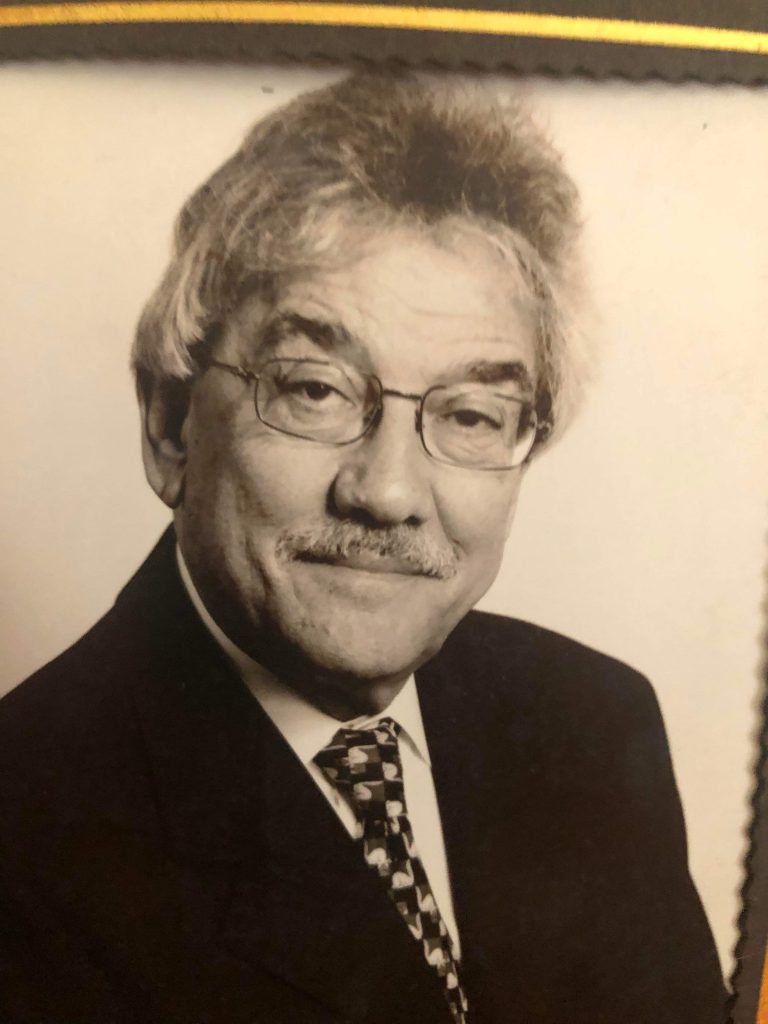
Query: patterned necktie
[(364, 765)]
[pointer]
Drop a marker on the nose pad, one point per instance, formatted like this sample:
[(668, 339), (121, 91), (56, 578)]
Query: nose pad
[(374, 422), (417, 420)]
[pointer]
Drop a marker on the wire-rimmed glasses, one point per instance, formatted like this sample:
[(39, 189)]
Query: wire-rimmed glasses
[(468, 424)]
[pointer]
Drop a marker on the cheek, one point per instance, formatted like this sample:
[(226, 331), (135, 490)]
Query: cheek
[(250, 483), (477, 514)]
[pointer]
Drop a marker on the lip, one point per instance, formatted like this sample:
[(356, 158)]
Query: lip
[(377, 565)]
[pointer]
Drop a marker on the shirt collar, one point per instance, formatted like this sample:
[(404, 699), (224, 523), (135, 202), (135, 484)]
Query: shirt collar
[(305, 728)]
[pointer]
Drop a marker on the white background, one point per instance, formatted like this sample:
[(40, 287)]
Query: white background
[(641, 534)]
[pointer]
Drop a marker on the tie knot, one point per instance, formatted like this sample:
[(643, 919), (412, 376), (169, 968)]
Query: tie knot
[(364, 764)]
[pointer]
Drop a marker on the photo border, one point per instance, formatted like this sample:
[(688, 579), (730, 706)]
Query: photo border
[(595, 37), (636, 40)]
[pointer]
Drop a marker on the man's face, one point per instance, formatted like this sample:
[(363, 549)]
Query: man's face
[(259, 506)]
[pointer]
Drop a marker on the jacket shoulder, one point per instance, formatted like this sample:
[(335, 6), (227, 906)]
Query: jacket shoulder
[(64, 696), (80, 689), (70, 730), (515, 669), (71, 749), (507, 645)]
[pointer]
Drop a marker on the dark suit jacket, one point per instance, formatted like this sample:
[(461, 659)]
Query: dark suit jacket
[(165, 858)]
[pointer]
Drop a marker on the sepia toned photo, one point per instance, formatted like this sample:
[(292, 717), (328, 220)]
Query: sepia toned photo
[(384, 545)]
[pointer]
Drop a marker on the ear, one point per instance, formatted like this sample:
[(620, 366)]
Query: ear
[(164, 406)]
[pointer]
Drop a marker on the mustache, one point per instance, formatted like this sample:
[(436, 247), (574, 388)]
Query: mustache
[(340, 542)]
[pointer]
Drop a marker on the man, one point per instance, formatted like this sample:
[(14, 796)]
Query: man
[(291, 776)]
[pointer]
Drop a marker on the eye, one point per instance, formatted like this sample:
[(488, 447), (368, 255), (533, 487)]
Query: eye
[(306, 389), (311, 387), (473, 419), (315, 390)]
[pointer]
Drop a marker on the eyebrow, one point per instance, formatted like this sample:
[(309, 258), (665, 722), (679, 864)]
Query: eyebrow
[(486, 371), (333, 338)]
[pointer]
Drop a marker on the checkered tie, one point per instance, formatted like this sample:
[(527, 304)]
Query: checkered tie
[(364, 764)]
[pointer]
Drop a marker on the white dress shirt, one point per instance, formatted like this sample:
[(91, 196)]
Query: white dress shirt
[(307, 730)]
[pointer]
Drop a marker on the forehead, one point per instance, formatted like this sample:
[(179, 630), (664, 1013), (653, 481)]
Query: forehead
[(405, 301)]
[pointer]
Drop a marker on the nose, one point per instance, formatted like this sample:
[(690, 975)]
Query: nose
[(383, 479)]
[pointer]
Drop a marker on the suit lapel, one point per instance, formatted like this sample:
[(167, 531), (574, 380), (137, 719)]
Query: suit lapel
[(301, 902), (307, 906), (483, 772)]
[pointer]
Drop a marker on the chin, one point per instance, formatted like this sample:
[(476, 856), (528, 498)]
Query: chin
[(311, 620), (366, 646)]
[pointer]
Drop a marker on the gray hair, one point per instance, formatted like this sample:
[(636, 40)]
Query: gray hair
[(370, 150)]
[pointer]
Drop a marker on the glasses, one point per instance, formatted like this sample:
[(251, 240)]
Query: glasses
[(475, 426)]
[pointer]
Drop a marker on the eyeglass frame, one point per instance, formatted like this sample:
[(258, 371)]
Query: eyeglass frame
[(542, 428)]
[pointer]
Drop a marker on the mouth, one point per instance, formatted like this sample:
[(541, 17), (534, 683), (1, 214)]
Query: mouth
[(366, 562)]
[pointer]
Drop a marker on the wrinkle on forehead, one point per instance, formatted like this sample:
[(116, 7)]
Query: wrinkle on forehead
[(335, 341), (447, 282)]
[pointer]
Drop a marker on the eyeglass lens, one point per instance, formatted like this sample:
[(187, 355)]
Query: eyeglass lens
[(465, 424)]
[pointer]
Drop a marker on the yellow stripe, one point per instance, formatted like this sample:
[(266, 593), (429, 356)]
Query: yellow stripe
[(441, 19), (762, 1009)]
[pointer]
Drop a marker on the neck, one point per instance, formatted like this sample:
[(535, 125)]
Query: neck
[(345, 698)]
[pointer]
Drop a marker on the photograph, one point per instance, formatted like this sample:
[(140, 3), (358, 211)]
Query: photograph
[(383, 543)]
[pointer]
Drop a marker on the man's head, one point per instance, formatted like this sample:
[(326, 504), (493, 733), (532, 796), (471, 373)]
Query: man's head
[(367, 327)]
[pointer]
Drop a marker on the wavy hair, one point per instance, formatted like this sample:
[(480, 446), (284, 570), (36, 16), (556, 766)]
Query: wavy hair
[(370, 150)]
